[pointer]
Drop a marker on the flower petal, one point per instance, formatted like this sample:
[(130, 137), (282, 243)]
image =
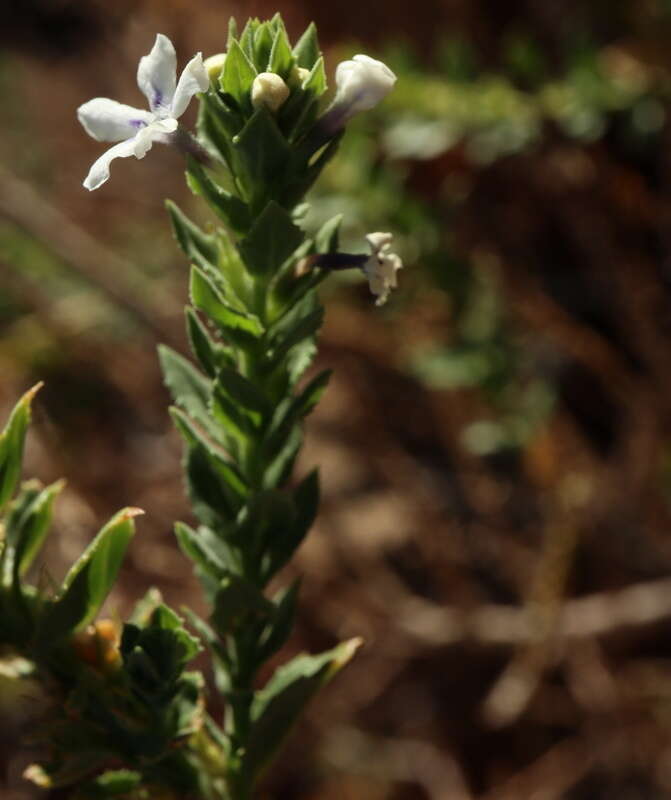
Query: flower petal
[(100, 171), (138, 146), (108, 121), (156, 74), (193, 79)]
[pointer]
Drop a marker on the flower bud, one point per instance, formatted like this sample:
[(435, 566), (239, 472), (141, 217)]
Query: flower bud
[(298, 75), (214, 65), (361, 84), (269, 90)]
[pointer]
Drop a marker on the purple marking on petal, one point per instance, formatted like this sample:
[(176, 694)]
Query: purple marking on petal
[(157, 98), (138, 123)]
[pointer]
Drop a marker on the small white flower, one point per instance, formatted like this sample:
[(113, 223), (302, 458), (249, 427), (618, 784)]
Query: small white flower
[(136, 130), (382, 266), (269, 90), (361, 84)]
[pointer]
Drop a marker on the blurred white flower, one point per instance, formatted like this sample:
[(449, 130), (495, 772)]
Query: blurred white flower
[(134, 129), (269, 90), (382, 266), (361, 83), (214, 65)]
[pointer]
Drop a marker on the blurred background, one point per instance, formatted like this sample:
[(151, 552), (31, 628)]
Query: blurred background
[(495, 445)]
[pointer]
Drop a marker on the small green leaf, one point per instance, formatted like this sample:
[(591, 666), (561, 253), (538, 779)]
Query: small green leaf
[(232, 32), (238, 602), (213, 556), (113, 783), (264, 156), (277, 706), (26, 527), (240, 328), (89, 581), (213, 477), (307, 50), (210, 354), (190, 389), (12, 439), (327, 238), (263, 44), (238, 75), (281, 58), (196, 244), (277, 631), (248, 35), (244, 393), (303, 328), (271, 240), (165, 618), (226, 205)]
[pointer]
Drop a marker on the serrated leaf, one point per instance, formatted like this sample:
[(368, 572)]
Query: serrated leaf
[(271, 240), (12, 440), (244, 394), (190, 389), (264, 156), (291, 411), (210, 354), (277, 706), (306, 51), (262, 525), (281, 58), (227, 206), (240, 328), (237, 603), (238, 74), (279, 469), (195, 243), (209, 466), (167, 619), (213, 556), (247, 36), (303, 328), (89, 580)]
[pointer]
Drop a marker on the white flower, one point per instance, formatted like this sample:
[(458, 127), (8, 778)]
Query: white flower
[(361, 84), (382, 266), (136, 130), (269, 90)]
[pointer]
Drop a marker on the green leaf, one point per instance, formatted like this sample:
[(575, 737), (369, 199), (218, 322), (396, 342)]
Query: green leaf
[(213, 478), (263, 44), (26, 527), (237, 603), (306, 51), (327, 239), (271, 240), (291, 411), (303, 328), (305, 503), (227, 206), (12, 440), (315, 83), (277, 631), (190, 389), (279, 469), (89, 580), (213, 556), (238, 74), (281, 58), (261, 528), (264, 156), (277, 706), (195, 243), (232, 32), (165, 618), (245, 394), (210, 354), (113, 783), (240, 328), (248, 35)]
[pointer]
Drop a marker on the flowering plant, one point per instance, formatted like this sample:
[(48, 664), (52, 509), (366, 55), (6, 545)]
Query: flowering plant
[(261, 142)]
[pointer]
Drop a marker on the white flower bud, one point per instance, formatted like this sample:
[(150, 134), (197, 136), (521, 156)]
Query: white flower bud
[(361, 84), (269, 90), (214, 65), (382, 266)]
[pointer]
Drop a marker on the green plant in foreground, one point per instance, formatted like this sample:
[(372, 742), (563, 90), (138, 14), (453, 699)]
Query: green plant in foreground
[(132, 721)]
